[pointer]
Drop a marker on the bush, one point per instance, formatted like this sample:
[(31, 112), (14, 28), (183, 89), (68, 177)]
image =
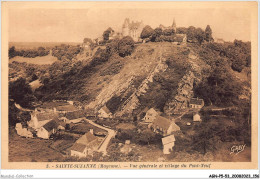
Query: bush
[(125, 46), (168, 32), (147, 32), (21, 92)]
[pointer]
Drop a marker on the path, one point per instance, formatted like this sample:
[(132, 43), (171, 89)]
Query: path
[(21, 108), (111, 133)]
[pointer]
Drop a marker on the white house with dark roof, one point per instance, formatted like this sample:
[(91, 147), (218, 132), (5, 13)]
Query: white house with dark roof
[(104, 113), (150, 116), (38, 119), (46, 130), (168, 143), (164, 126), (196, 103), (85, 145)]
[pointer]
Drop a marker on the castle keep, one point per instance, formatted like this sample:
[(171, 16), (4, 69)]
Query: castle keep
[(132, 29)]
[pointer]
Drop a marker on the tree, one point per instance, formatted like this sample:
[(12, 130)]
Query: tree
[(12, 52), (206, 138), (147, 32), (208, 34), (157, 33), (21, 92), (200, 35), (168, 32), (182, 30), (191, 32), (125, 46), (107, 33)]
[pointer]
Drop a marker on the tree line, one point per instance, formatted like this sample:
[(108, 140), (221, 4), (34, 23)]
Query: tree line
[(41, 51)]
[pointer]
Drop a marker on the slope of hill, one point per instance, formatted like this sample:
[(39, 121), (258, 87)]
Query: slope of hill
[(160, 75)]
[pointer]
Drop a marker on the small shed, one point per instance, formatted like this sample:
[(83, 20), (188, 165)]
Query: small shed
[(196, 118)]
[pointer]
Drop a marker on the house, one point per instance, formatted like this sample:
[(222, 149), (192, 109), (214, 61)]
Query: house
[(23, 131), (150, 115), (85, 145), (126, 148), (132, 29), (196, 103), (74, 116), (38, 119), (47, 130), (164, 126), (104, 112), (168, 144), (196, 118), (65, 108), (181, 38)]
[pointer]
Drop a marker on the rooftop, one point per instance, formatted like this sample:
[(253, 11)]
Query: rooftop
[(162, 122), (86, 138), (53, 104), (68, 107), (46, 116), (75, 114), (196, 101), (50, 125), (78, 147)]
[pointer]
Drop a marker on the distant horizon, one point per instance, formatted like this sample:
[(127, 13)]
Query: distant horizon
[(73, 25)]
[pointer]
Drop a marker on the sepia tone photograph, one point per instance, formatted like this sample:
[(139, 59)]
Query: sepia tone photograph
[(130, 82)]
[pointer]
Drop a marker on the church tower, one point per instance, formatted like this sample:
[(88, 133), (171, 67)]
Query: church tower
[(174, 25)]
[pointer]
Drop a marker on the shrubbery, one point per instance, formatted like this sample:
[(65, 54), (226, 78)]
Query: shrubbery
[(27, 53), (66, 51), (126, 46)]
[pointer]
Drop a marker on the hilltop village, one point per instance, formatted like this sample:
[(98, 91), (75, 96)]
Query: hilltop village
[(133, 95)]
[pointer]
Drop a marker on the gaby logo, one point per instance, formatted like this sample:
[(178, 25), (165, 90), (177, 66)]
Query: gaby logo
[(236, 149)]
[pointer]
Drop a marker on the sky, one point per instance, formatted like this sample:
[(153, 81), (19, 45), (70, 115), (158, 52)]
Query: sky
[(73, 25)]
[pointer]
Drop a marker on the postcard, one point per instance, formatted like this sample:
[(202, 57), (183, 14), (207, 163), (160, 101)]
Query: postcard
[(129, 85)]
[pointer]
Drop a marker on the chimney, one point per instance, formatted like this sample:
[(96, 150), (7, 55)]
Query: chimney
[(91, 131)]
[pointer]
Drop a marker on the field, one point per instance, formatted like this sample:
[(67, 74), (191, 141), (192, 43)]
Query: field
[(45, 60), (30, 150)]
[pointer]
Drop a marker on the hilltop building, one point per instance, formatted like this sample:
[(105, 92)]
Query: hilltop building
[(132, 29)]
